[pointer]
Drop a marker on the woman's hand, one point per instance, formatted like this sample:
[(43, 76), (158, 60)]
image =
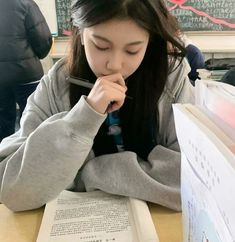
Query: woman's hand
[(108, 93)]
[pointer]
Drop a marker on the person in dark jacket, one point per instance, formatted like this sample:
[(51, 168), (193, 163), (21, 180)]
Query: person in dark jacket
[(196, 61), (194, 56), (25, 38), (229, 77)]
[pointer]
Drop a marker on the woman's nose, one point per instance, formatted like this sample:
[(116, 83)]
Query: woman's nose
[(114, 63)]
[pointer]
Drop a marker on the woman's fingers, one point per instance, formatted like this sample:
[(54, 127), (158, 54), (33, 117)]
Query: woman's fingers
[(114, 78), (108, 93)]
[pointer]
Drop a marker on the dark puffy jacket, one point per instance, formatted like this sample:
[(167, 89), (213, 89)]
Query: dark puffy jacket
[(24, 39)]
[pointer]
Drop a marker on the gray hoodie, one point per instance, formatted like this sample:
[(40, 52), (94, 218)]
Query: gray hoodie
[(52, 150)]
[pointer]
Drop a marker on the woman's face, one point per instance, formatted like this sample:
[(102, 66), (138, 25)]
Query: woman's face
[(115, 46)]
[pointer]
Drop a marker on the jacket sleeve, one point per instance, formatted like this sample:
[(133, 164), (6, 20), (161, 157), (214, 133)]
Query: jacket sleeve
[(37, 31), (156, 180), (44, 156)]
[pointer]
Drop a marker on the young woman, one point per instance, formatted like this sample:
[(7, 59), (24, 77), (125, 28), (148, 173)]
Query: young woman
[(119, 135)]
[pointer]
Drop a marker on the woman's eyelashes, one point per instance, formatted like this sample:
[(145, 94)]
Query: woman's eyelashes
[(101, 48), (132, 52)]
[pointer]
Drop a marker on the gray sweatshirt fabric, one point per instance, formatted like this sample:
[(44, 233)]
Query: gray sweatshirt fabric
[(52, 150)]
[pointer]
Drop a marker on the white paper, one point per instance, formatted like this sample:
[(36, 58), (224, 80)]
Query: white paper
[(201, 217), (211, 125), (145, 227), (91, 217), (217, 100), (212, 162)]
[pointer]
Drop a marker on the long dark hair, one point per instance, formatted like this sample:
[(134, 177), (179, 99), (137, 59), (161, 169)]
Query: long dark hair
[(139, 117)]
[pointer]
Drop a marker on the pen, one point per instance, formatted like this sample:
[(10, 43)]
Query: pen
[(80, 82), (84, 83)]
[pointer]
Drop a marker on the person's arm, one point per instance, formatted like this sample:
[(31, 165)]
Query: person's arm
[(44, 156), (37, 30), (156, 180), (125, 174), (196, 61)]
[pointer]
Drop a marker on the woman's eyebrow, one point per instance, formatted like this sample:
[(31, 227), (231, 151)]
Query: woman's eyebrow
[(136, 43), (110, 42), (101, 38)]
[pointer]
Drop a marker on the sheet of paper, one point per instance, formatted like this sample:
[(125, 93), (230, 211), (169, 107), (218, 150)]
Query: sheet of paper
[(143, 222), (202, 218), (217, 100), (213, 163), (203, 118), (88, 217)]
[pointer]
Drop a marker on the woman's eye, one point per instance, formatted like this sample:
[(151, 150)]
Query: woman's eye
[(101, 48), (132, 52)]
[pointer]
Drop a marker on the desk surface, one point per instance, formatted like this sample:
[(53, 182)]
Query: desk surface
[(24, 226)]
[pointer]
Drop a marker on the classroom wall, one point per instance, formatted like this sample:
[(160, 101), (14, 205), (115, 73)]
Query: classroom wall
[(214, 42), (219, 45)]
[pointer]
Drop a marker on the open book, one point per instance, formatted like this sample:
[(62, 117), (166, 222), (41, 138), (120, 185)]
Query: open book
[(96, 217), (207, 164)]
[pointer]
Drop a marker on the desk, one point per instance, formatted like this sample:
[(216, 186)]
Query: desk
[(24, 226)]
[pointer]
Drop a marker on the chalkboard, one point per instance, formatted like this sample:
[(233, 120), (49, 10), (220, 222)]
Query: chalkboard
[(193, 15), (63, 12), (204, 15)]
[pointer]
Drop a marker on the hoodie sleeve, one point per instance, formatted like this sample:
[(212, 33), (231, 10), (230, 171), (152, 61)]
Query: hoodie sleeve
[(37, 31), (44, 156), (155, 180)]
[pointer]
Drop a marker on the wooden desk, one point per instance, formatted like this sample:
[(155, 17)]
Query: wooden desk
[(24, 226)]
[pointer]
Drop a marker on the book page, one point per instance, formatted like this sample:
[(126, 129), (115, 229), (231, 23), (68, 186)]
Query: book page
[(229, 142), (210, 159), (202, 218), (88, 217), (142, 218)]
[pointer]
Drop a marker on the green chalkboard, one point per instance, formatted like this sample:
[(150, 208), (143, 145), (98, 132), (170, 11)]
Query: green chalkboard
[(63, 13), (193, 15), (204, 15)]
